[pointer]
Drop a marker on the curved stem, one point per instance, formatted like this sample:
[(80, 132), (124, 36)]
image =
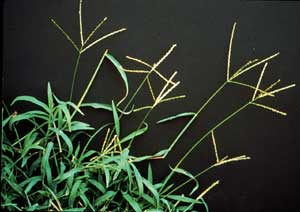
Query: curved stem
[(130, 101), (189, 180)]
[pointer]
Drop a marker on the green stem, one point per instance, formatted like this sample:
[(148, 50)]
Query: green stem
[(55, 160), (35, 129), (141, 123), (188, 125), (90, 82), (136, 92), (92, 137), (58, 139), (195, 116), (130, 101), (189, 180), (202, 138), (209, 132), (74, 75)]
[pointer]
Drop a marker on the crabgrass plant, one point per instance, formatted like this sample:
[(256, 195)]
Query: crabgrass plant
[(44, 169)]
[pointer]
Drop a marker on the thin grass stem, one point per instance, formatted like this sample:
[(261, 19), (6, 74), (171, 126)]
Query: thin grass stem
[(74, 76), (188, 180), (91, 80), (203, 137), (141, 124), (144, 80), (58, 139), (151, 90), (209, 132), (195, 116)]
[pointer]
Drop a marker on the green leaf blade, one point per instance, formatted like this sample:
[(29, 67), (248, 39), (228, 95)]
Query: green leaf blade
[(188, 174), (179, 115), (116, 118), (97, 106), (32, 100), (135, 134), (46, 169), (135, 206), (122, 73)]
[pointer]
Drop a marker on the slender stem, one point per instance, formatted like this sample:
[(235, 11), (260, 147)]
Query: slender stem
[(130, 101), (35, 129), (195, 116), (92, 137), (136, 92), (203, 137), (74, 75), (141, 123), (209, 132), (55, 160), (90, 83), (91, 80), (157, 100), (187, 126), (155, 65), (189, 180), (58, 140)]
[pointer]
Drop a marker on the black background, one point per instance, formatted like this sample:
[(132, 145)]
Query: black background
[(34, 52)]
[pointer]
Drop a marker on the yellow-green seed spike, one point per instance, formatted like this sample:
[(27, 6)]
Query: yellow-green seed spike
[(229, 51), (215, 145), (270, 108), (80, 23), (259, 80)]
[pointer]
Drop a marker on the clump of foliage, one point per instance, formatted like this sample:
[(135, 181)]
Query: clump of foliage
[(44, 168)]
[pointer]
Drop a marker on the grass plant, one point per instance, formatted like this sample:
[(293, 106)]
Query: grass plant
[(44, 167)]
